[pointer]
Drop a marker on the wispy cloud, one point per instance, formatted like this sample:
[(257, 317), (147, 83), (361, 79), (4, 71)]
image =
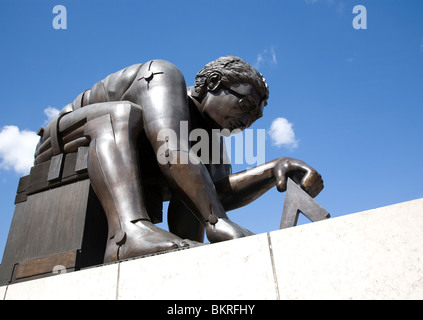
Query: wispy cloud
[(338, 5), (268, 56), (17, 146), (282, 134), (50, 113), (327, 2)]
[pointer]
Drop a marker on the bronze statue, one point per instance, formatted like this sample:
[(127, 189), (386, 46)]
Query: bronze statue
[(120, 118)]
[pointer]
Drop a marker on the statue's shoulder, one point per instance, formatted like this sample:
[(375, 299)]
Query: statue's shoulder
[(158, 66), (155, 63)]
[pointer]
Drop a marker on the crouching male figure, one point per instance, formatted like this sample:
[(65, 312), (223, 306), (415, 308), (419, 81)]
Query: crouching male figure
[(120, 118)]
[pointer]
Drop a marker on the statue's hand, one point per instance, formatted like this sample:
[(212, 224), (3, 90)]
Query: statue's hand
[(308, 178)]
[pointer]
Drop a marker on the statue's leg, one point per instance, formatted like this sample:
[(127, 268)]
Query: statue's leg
[(113, 129), (183, 222)]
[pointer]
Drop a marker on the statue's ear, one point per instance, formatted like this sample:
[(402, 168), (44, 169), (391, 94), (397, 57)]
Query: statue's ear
[(213, 81)]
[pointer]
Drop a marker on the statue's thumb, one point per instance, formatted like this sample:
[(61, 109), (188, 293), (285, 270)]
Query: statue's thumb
[(280, 177)]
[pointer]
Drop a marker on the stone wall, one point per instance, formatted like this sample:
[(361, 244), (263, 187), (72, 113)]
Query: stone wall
[(376, 254)]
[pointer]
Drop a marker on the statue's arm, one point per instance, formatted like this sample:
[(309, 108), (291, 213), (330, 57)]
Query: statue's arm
[(165, 108), (239, 189)]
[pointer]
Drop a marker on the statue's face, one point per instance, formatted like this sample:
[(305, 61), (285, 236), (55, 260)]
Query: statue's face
[(233, 106)]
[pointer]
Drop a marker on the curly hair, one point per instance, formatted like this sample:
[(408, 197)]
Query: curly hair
[(233, 70)]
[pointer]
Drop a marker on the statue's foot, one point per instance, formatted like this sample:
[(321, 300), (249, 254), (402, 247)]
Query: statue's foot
[(224, 229), (142, 238)]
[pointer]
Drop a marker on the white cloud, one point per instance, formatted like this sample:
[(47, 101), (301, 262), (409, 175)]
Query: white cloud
[(268, 56), (17, 146), (50, 112), (17, 149), (282, 134)]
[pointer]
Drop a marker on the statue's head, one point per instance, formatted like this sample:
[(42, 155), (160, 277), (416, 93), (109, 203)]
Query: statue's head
[(232, 93)]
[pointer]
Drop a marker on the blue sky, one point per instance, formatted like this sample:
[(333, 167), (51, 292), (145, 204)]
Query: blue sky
[(353, 98)]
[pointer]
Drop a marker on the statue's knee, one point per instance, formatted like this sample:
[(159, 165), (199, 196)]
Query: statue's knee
[(128, 112), (114, 120)]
